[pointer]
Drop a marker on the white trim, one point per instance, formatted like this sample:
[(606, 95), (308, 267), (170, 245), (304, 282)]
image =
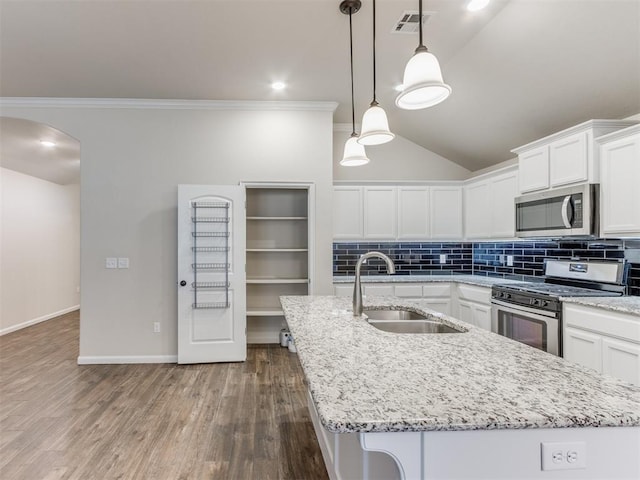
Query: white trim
[(115, 359), (263, 337), (34, 321), (170, 104)]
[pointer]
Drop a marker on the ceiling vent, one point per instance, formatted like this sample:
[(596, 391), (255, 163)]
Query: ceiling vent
[(408, 22)]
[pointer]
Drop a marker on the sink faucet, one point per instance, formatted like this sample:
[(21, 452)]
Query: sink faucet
[(357, 287)]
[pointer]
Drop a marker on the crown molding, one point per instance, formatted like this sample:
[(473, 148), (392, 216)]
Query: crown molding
[(142, 103)]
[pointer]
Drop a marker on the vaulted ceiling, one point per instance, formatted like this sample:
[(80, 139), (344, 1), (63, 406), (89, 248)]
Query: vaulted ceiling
[(519, 69)]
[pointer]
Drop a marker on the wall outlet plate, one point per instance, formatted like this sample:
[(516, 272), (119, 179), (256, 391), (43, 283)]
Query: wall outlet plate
[(123, 262), (563, 455), (111, 262)]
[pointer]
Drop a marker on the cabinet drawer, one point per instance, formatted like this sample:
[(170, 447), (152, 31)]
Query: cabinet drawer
[(437, 290), (414, 291), (475, 294), (377, 289), (606, 322)]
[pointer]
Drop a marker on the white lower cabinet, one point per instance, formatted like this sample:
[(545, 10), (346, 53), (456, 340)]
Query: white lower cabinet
[(607, 341), (377, 289), (474, 305)]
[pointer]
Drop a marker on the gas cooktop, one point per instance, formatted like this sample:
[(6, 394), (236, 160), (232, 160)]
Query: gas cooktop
[(556, 290)]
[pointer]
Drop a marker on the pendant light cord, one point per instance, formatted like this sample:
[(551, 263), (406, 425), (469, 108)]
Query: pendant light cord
[(421, 47), (353, 108), (374, 102)]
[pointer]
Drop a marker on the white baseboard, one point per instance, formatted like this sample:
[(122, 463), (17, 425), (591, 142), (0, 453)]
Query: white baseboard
[(114, 359), (44, 318)]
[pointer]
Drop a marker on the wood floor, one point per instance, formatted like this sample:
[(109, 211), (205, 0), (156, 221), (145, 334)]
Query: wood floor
[(230, 421)]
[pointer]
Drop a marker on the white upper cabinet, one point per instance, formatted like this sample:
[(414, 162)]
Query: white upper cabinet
[(446, 212), (568, 160), (347, 212), (534, 169), (567, 157), (380, 213), (413, 213), (477, 210), (489, 206), (620, 182)]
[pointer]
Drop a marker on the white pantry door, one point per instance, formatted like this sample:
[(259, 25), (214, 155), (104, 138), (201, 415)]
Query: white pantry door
[(211, 274)]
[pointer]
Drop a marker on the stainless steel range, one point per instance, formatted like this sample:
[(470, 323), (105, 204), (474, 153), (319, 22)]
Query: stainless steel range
[(531, 312)]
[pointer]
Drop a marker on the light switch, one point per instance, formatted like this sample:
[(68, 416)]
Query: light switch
[(111, 262), (443, 258), (123, 262), (509, 260)]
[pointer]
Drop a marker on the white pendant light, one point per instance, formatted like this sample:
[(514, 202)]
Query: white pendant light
[(423, 83), (354, 154), (375, 126)]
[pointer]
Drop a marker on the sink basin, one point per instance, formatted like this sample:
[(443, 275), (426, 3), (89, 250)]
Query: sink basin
[(388, 314), (404, 321)]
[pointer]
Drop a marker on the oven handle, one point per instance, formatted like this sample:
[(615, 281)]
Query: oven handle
[(534, 313)]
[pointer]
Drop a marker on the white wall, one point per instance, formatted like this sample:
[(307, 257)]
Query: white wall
[(134, 154), (398, 160), (40, 250)]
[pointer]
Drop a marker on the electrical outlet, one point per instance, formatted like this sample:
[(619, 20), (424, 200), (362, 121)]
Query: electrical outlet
[(564, 456), (443, 258), (111, 262), (156, 327), (123, 262), (509, 260)]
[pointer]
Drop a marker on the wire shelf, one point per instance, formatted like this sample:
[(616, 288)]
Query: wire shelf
[(210, 266), (210, 249), (210, 234), (210, 284), (210, 219), (203, 306), (210, 205)]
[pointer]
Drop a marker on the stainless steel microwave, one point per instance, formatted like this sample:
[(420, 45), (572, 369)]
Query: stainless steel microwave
[(559, 212)]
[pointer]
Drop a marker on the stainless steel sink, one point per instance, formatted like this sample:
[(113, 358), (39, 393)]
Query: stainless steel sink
[(405, 321)]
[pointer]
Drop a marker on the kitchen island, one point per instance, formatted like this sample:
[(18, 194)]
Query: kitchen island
[(459, 405)]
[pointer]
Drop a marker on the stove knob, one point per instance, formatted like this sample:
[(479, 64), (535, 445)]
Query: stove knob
[(536, 301), (545, 303), (507, 295)]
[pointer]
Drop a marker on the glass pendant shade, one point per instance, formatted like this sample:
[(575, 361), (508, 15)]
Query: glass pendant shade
[(375, 127), (354, 154), (423, 84)]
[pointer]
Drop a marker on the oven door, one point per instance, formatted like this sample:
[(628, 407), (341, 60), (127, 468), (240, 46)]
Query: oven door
[(536, 328)]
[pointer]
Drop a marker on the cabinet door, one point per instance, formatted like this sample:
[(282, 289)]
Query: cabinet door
[(477, 210), (503, 192), (568, 160), (482, 317), (347, 213), (583, 348), (442, 305), (446, 212), (620, 177), (380, 212), (413, 212), (465, 311), (621, 359), (534, 169)]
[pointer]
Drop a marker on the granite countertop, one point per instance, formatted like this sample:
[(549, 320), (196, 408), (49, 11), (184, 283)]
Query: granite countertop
[(362, 379), (478, 280), (616, 304)]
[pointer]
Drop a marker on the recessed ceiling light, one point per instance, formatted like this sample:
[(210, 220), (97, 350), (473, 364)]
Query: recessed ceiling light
[(399, 87), (278, 85), (475, 5), (47, 143)]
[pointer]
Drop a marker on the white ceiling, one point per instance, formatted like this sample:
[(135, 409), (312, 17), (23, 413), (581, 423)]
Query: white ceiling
[(520, 69), (21, 150)]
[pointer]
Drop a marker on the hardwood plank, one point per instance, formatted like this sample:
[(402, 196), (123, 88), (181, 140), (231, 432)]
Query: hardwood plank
[(59, 420)]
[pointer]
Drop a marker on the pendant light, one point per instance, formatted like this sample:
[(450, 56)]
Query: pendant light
[(375, 126), (423, 84), (354, 154)]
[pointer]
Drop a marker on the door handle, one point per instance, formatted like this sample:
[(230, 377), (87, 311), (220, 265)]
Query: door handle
[(183, 283), (565, 212)]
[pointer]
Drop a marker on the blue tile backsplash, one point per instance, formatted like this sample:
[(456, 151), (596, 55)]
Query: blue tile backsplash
[(485, 258)]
